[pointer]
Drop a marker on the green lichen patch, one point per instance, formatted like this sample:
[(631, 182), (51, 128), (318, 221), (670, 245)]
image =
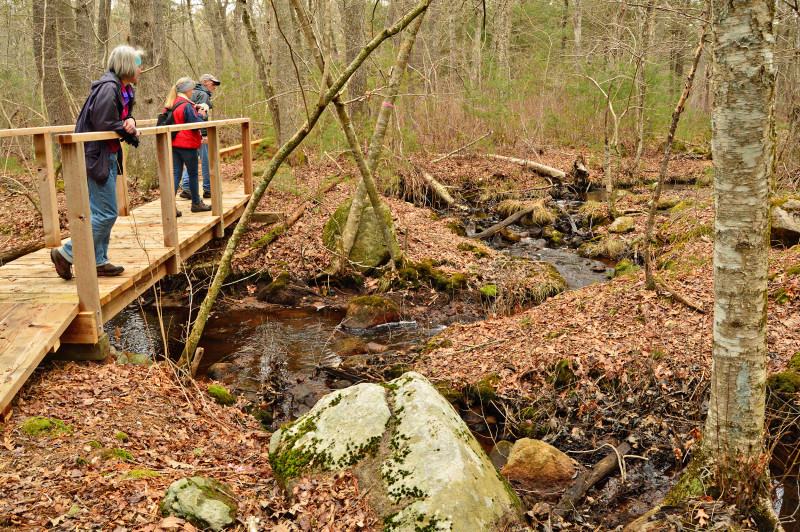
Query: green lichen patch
[(39, 426), (220, 395)]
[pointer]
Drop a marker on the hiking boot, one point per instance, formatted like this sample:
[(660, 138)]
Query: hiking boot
[(200, 207), (178, 213), (206, 194), (185, 194), (109, 270), (63, 267)]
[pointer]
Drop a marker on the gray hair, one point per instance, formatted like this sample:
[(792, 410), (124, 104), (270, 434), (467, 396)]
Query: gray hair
[(123, 61)]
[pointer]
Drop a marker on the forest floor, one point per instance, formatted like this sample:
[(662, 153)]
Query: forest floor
[(635, 363)]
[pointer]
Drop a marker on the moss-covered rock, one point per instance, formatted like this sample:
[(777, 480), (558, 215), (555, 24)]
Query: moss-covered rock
[(555, 236), (369, 249), (136, 359), (369, 311), (604, 247), (623, 224), (594, 212), (457, 227), (787, 382), (625, 267), (352, 345), (220, 395), (449, 392), (204, 502), (484, 390), (428, 471), (667, 203), (39, 426)]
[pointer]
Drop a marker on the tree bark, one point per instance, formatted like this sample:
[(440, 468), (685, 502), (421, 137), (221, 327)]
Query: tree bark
[(269, 173), (743, 142), (45, 38), (353, 15), (641, 81), (262, 69)]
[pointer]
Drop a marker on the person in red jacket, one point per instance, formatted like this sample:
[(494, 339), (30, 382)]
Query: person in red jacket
[(186, 144)]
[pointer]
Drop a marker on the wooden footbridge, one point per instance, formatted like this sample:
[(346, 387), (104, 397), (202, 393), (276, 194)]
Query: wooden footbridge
[(39, 311)]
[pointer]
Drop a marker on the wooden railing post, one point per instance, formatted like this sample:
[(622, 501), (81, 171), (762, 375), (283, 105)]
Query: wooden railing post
[(46, 183), (123, 204), (80, 228), (166, 184), (247, 159), (216, 183)]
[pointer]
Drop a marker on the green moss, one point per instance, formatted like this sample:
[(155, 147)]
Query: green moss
[(787, 382), (780, 296), (449, 392), (473, 248), (528, 429), (489, 291), (398, 370), (594, 212), (457, 227), (794, 270), (121, 436), (220, 395), (95, 444), (625, 267), (117, 454), (142, 473), (529, 413), (291, 462), (263, 416), (44, 426), (485, 389), (682, 206), (561, 374), (794, 363)]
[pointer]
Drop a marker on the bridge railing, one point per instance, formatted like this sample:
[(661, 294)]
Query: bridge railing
[(46, 181), (77, 196)]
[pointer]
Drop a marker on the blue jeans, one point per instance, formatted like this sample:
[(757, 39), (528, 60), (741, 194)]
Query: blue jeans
[(186, 157), (206, 175), (103, 205)]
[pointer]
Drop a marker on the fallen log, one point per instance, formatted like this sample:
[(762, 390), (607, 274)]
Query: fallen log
[(443, 157), (589, 478), (441, 191), (548, 171), (505, 223)]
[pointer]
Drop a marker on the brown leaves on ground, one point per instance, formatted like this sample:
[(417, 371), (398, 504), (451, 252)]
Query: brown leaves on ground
[(134, 431)]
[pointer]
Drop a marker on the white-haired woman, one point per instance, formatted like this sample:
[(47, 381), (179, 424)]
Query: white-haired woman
[(108, 108), (186, 144)]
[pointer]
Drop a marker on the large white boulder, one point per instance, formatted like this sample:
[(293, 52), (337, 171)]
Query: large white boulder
[(409, 448)]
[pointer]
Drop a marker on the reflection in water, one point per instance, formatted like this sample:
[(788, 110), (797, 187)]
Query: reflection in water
[(576, 270)]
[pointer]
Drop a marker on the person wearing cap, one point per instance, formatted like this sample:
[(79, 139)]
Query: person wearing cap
[(187, 142), (108, 107), (202, 96)]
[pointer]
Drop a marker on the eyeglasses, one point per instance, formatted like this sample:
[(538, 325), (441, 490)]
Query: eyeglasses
[(138, 61)]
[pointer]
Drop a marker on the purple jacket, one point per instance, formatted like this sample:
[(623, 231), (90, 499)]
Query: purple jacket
[(102, 111)]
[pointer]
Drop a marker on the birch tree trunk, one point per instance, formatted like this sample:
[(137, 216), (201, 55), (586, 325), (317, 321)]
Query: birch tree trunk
[(743, 142), (45, 44), (353, 14), (577, 22)]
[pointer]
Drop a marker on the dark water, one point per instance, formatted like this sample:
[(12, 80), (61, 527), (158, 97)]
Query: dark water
[(576, 270)]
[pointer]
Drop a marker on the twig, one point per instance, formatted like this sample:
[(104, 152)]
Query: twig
[(462, 148), (674, 293), (508, 221)]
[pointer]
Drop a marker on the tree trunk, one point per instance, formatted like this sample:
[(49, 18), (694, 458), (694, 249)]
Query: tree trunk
[(743, 141), (46, 49), (103, 21), (149, 96), (501, 37), (262, 69), (641, 82), (353, 14), (577, 27)]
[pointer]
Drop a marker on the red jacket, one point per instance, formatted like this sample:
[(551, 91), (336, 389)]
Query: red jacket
[(188, 138)]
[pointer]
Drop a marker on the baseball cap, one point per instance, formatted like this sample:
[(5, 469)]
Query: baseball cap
[(210, 78)]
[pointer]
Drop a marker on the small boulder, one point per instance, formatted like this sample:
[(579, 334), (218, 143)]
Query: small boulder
[(220, 370), (667, 203), (623, 224), (500, 452), (220, 395), (375, 347), (133, 358), (368, 311), (536, 463), (785, 222), (204, 502), (352, 345)]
